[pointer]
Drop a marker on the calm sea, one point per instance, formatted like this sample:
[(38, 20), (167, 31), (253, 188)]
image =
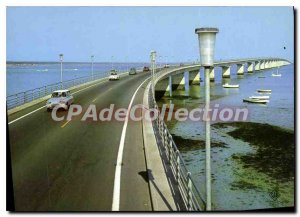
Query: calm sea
[(279, 112), (27, 76)]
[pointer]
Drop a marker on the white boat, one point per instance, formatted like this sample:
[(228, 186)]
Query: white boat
[(259, 97), (264, 90), (261, 101), (231, 85), (277, 74)]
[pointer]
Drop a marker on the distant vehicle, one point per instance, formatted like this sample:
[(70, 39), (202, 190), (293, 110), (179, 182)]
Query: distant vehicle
[(167, 66), (132, 71), (146, 69), (113, 75), (61, 98)]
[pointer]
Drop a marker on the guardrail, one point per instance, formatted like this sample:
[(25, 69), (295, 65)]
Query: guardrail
[(21, 98), (188, 190)]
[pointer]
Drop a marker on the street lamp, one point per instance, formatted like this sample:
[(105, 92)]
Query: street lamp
[(207, 38), (92, 59), (152, 57), (61, 58), (112, 63)]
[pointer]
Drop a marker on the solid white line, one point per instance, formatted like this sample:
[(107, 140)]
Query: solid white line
[(117, 182), (27, 114), (19, 118)]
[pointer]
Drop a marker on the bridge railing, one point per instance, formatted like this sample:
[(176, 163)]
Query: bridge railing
[(21, 98), (186, 185)]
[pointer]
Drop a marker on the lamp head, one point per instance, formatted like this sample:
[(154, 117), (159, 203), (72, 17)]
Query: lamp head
[(207, 38), (61, 57), (153, 55)]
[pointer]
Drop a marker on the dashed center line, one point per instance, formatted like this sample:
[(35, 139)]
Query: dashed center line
[(62, 126), (100, 94)]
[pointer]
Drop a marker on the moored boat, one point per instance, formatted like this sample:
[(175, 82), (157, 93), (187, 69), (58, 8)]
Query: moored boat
[(261, 101), (259, 97), (264, 90), (231, 85)]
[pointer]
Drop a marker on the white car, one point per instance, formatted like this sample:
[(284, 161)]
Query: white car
[(62, 98), (113, 75)]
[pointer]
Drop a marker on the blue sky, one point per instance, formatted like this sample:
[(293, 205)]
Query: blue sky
[(41, 33)]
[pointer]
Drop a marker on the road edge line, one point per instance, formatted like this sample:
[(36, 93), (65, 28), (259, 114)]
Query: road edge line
[(117, 180)]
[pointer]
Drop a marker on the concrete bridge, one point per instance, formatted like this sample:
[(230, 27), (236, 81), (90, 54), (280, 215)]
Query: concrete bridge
[(176, 79), (120, 166)]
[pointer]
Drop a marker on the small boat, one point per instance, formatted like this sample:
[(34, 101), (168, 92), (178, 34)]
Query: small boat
[(264, 91), (259, 97), (231, 85), (261, 76), (277, 74), (261, 101)]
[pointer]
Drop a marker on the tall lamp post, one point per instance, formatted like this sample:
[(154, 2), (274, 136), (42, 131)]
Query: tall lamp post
[(112, 63), (207, 38), (92, 59), (61, 58), (152, 57)]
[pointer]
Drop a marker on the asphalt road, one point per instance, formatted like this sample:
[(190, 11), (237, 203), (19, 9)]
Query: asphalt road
[(70, 166)]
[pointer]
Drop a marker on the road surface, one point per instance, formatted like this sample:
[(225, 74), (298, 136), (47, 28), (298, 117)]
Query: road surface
[(70, 166)]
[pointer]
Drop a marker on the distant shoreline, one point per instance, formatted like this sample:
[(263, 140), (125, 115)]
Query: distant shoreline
[(57, 62)]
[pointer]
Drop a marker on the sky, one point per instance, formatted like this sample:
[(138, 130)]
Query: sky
[(128, 34)]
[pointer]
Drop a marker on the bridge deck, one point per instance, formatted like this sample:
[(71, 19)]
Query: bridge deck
[(70, 166)]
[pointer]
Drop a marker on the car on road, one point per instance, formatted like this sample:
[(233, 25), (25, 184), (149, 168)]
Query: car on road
[(132, 71), (113, 75), (167, 66), (146, 69), (61, 98)]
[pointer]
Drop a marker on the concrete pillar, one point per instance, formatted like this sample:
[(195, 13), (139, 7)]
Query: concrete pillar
[(257, 66), (262, 65), (194, 77), (178, 81), (161, 87), (226, 71), (240, 69), (169, 88), (274, 63), (186, 82), (212, 74), (267, 64), (250, 67)]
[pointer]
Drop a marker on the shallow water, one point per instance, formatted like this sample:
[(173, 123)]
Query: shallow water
[(235, 187), (22, 77)]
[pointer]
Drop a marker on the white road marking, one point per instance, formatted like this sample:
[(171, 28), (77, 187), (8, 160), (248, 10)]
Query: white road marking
[(19, 118), (27, 114), (101, 94), (117, 182)]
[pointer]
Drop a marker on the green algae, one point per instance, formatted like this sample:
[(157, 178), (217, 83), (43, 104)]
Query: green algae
[(275, 148)]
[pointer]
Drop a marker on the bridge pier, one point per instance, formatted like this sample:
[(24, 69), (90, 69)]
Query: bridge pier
[(194, 77), (257, 66), (240, 69), (178, 80), (169, 88), (262, 65), (250, 67), (212, 74), (163, 87), (225, 71)]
